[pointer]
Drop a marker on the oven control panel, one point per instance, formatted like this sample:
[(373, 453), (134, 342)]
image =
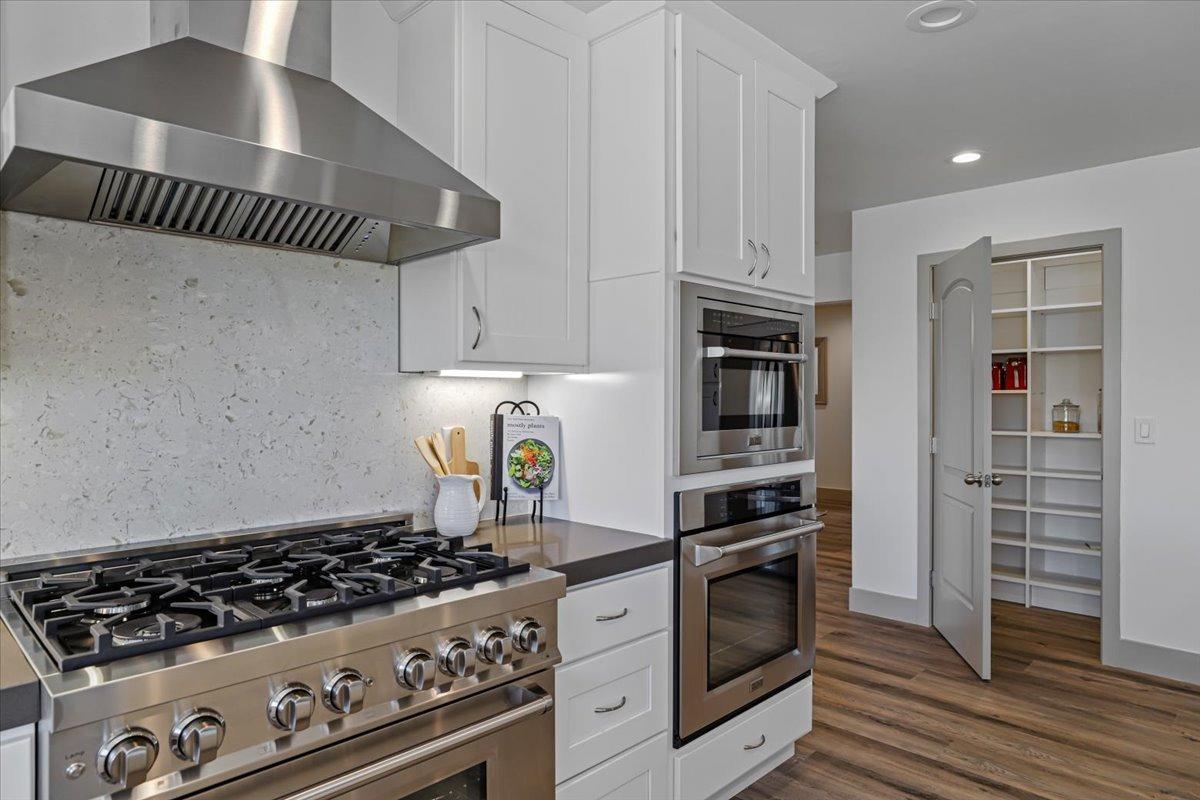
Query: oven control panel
[(197, 741)]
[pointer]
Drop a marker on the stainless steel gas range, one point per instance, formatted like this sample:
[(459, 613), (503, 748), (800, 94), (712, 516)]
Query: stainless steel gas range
[(349, 658)]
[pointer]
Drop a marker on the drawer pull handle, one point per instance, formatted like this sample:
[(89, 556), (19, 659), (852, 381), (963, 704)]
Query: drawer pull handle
[(611, 617), (762, 739), (606, 709)]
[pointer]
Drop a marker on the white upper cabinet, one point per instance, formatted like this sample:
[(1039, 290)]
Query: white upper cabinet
[(784, 211), (519, 129), (524, 140), (746, 164), (716, 130)]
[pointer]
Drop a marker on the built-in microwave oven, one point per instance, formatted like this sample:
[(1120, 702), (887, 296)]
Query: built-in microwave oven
[(746, 379)]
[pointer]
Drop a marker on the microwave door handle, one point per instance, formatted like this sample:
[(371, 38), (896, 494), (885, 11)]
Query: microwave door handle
[(754, 355), (701, 554), (339, 786)]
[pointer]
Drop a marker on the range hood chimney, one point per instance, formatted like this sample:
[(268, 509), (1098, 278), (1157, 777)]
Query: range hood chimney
[(229, 128)]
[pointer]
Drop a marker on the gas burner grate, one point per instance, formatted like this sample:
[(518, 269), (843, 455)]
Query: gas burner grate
[(125, 607)]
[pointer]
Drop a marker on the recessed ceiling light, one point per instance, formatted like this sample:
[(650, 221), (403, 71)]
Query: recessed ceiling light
[(940, 15), (966, 157)]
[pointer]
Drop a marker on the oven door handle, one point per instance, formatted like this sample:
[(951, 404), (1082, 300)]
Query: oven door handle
[(338, 786), (701, 554), (755, 355)]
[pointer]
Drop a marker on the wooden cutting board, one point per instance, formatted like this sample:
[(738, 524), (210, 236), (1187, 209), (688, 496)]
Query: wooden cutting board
[(456, 438)]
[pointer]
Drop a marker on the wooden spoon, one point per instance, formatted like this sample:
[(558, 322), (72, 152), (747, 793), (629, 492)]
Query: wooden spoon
[(426, 451), (439, 452)]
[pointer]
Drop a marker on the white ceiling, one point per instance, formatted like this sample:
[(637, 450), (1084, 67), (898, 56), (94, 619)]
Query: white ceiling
[(1041, 86)]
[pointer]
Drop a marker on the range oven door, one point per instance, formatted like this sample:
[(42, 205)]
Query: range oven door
[(745, 380), (498, 745), (747, 616)]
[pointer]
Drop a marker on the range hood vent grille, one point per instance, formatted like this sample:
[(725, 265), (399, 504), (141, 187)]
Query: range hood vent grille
[(145, 201)]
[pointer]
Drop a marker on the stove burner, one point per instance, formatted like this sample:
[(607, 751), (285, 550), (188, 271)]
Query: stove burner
[(147, 629), (315, 598), (120, 607)]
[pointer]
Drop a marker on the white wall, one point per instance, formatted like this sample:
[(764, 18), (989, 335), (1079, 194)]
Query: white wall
[(39, 38), (833, 277), (1156, 203), (833, 419), (153, 385)]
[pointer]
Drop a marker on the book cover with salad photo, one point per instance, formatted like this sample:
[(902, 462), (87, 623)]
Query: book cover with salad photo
[(525, 456)]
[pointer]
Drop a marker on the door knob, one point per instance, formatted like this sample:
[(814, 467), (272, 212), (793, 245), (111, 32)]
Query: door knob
[(993, 480), (973, 479)]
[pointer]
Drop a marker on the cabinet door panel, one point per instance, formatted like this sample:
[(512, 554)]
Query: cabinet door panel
[(716, 148), (524, 135), (784, 158)]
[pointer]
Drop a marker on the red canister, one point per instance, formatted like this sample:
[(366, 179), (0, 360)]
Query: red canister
[(997, 375), (1016, 378)]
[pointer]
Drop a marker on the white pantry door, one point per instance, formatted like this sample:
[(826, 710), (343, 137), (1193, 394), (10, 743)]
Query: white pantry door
[(962, 421)]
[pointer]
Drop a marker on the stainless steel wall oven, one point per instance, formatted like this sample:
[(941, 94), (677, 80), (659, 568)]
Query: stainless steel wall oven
[(746, 379), (746, 597)]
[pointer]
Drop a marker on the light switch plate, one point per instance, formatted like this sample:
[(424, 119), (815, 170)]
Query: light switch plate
[(1143, 430)]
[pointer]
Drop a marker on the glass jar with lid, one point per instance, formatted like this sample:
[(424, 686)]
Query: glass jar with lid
[(1064, 417)]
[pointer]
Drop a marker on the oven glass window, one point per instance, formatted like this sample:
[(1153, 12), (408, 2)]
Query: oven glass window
[(470, 784), (751, 618), (749, 393)]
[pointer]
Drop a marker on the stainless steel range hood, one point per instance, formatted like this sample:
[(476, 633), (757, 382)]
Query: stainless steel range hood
[(234, 132)]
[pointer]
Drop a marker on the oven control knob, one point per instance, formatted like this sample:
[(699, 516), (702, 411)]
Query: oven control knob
[(529, 635), (415, 670), (494, 646), (198, 736), (457, 658), (345, 690), (126, 758), (291, 707)]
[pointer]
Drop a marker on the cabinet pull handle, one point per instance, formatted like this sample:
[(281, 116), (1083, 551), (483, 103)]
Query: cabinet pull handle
[(611, 617), (768, 267), (762, 739), (754, 265), (478, 326), (606, 709)]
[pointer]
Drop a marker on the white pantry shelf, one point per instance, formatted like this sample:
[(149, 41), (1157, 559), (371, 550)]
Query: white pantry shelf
[(1008, 538), (1000, 313), (1070, 583), (1080, 348), (1060, 545), (1002, 572), (1060, 435), (1010, 391), (1065, 308), (1009, 470), (1065, 510), (1022, 434), (1008, 505), (1065, 474)]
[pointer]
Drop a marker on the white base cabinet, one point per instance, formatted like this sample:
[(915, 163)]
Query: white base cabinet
[(502, 95), (638, 774), (612, 706), (17, 763), (723, 762)]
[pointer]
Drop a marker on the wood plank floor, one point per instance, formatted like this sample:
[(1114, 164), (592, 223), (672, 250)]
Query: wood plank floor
[(897, 714)]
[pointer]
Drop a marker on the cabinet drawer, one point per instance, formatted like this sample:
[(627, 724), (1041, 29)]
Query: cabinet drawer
[(714, 763), (608, 703), (639, 774), (598, 617)]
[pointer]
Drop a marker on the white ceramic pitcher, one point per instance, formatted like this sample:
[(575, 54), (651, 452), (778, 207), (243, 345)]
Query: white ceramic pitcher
[(456, 512)]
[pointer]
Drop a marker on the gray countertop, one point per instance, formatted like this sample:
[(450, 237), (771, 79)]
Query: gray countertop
[(19, 689), (579, 551)]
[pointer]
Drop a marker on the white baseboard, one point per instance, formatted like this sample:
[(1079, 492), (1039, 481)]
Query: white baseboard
[(1153, 659), (888, 606)]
